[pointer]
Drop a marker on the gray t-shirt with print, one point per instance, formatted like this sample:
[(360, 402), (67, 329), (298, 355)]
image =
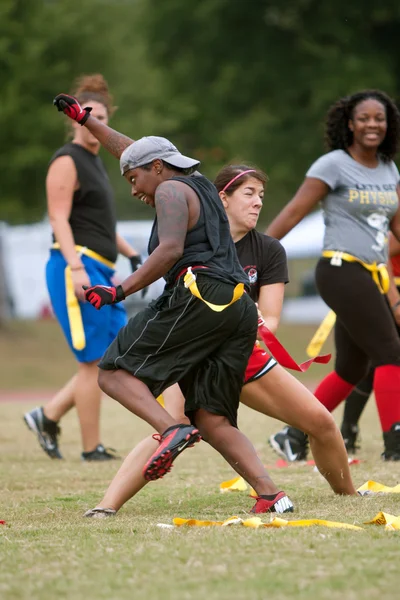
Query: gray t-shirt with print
[(359, 206)]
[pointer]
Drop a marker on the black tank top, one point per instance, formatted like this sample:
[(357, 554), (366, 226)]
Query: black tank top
[(209, 242), (93, 215)]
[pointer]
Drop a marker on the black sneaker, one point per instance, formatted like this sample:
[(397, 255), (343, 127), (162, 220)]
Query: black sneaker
[(392, 443), (173, 441), (47, 431), (350, 434), (290, 443), (100, 454)]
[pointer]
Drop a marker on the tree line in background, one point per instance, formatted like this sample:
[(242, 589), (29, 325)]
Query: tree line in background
[(225, 80)]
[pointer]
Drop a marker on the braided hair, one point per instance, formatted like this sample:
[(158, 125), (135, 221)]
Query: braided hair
[(338, 135)]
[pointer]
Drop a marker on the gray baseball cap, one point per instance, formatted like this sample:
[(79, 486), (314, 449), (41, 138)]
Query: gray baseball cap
[(147, 149)]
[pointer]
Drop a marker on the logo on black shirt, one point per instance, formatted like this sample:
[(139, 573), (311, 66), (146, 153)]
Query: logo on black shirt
[(251, 271)]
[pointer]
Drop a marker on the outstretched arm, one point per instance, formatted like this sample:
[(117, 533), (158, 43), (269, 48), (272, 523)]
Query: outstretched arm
[(308, 195), (111, 140)]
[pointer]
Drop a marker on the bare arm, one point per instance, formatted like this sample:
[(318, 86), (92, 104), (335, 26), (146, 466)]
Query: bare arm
[(173, 218), (111, 140), (395, 222), (61, 182), (125, 248), (307, 196), (270, 303)]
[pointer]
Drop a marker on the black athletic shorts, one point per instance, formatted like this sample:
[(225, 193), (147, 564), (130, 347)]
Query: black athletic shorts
[(179, 339)]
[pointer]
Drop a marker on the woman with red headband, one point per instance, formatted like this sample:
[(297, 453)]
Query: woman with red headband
[(268, 387)]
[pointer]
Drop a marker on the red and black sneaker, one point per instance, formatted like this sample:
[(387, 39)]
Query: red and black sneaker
[(173, 441), (280, 503)]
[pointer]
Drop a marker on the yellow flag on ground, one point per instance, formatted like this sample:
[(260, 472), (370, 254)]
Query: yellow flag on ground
[(390, 522), (237, 484), (374, 486), (256, 522)]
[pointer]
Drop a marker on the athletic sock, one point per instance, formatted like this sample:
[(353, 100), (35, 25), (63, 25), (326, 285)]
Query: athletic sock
[(356, 401), (270, 496), (333, 390), (387, 395)]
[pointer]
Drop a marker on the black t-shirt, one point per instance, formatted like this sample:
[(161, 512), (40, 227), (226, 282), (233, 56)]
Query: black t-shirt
[(263, 259), (93, 217), (209, 242)]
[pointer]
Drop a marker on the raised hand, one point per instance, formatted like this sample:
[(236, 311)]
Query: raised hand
[(71, 107)]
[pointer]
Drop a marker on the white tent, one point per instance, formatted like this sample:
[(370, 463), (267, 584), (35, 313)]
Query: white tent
[(305, 240)]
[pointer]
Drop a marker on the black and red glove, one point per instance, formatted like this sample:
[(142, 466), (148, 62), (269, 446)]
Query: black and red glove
[(71, 107), (100, 295), (136, 261)]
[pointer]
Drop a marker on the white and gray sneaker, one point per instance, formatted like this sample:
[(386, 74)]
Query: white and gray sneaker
[(47, 431), (100, 513)]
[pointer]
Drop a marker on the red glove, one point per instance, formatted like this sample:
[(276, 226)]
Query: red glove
[(71, 107), (99, 295)]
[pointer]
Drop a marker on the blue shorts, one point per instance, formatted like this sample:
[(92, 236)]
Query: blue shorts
[(100, 326)]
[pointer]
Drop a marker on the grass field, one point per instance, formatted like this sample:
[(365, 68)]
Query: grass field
[(48, 551)]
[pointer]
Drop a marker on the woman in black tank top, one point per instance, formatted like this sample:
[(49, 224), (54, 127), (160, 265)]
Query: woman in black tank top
[(185, 335), (82, 214)]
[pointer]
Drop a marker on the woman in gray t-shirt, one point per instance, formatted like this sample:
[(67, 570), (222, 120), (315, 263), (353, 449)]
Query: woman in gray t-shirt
[(357, 184)]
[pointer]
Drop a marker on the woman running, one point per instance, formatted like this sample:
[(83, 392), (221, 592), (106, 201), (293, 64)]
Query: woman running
[(202, 328), (268, 388), (357, 184)]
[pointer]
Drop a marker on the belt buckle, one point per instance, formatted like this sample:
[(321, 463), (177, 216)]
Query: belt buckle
[(336, 260), (190, 278)]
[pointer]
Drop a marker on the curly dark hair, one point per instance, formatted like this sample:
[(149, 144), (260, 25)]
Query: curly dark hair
[(338, 136)]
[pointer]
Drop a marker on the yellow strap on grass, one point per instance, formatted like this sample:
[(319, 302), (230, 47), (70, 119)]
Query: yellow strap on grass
[(190, 283)]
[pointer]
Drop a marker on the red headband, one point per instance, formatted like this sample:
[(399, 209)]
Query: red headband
[(237, 177)]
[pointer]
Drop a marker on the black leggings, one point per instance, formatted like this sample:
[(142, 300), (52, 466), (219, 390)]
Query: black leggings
[(365, 330)]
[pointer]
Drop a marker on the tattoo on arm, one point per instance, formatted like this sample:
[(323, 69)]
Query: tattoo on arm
[(116, 143), (172, 213), (111, 140)]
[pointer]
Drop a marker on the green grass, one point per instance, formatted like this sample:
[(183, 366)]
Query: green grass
[(48, 551)]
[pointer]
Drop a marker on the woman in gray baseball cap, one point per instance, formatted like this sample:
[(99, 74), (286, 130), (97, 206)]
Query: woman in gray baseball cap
[(200, 332)]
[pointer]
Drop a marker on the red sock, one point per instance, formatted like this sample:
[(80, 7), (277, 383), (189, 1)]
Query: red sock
[(387, 395), (333, 390)]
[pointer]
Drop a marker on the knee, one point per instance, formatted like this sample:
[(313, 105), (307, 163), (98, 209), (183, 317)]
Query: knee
[(209, 423), (103, 380), (322, 424), (352, 371)]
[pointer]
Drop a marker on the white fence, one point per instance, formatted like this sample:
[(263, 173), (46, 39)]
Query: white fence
[(25, 250)]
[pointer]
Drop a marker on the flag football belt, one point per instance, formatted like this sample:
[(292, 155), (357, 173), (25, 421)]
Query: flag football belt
[(189, 281), (380, 276), (73, 309)]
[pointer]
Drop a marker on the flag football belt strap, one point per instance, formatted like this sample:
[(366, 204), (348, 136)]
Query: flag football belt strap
[(73, 309), (380, 276), (190, 283), (379, 272), (90, 253)]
